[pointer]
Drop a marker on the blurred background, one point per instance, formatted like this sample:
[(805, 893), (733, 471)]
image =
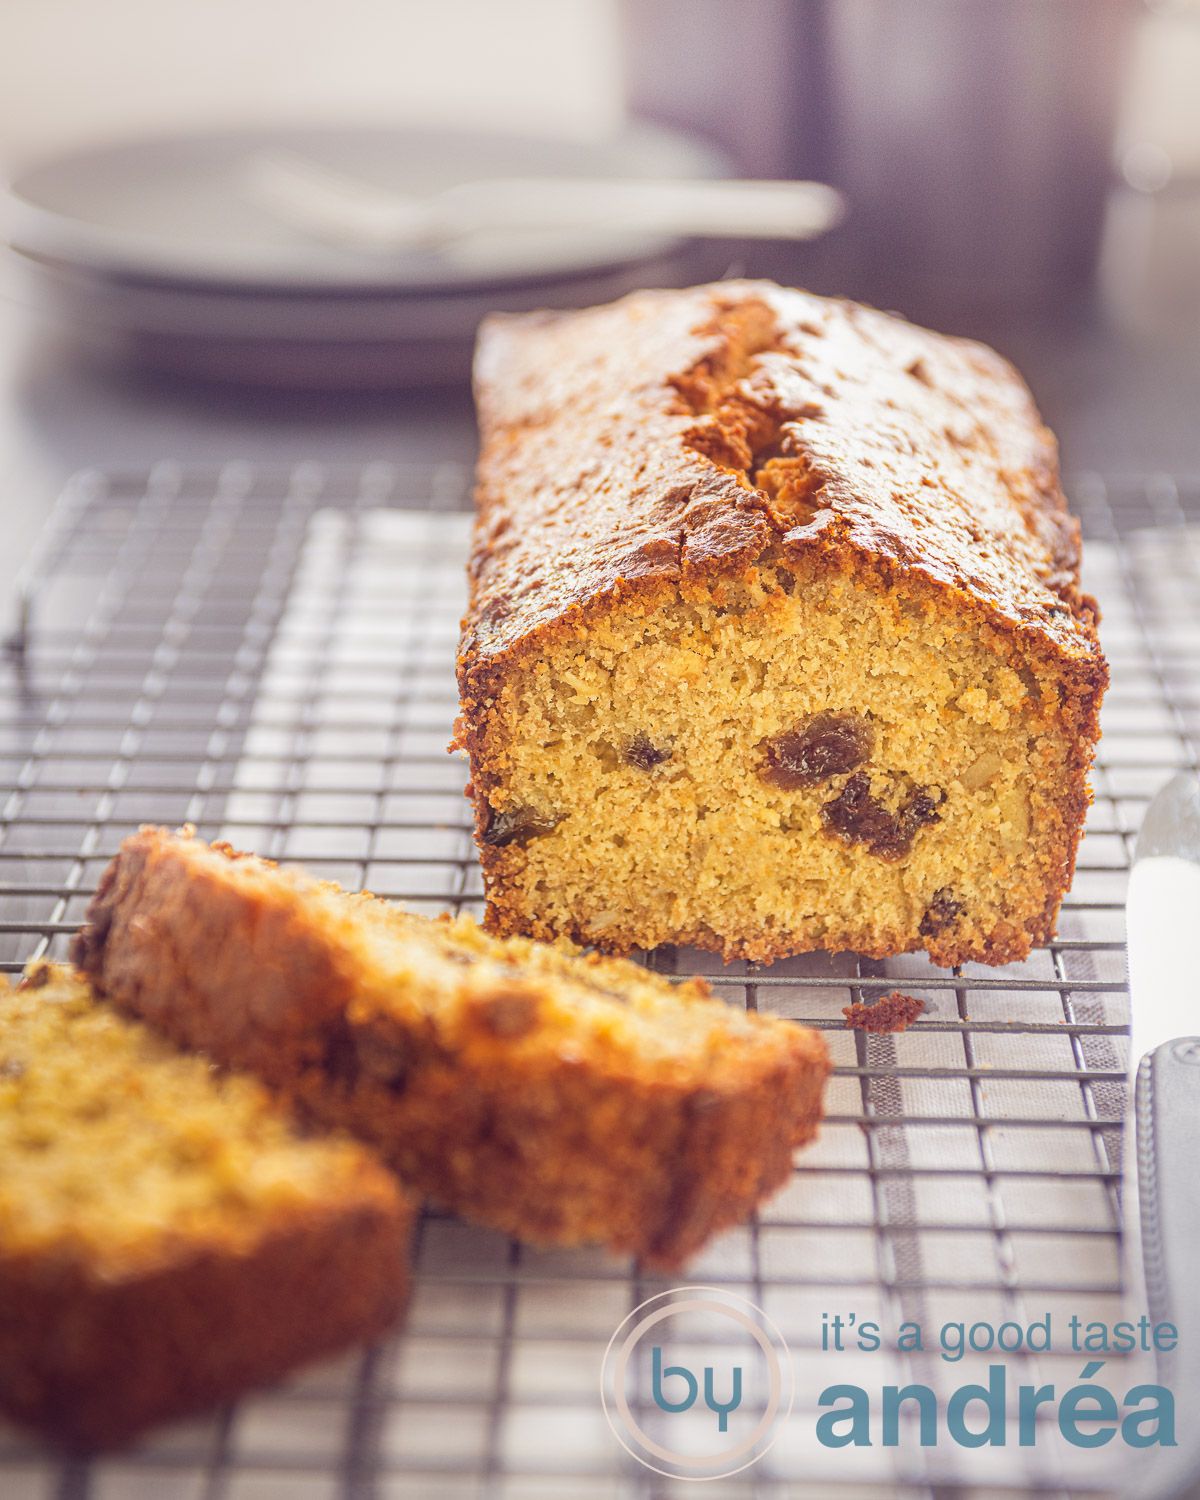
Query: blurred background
[(1023, 171)]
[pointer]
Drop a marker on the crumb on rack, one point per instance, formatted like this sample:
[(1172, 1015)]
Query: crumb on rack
[(894, 1012)]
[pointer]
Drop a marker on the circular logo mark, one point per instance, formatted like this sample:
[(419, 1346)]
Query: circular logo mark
[(697, 1383)]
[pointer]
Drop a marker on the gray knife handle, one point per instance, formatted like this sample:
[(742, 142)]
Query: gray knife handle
[(1167, 1108)]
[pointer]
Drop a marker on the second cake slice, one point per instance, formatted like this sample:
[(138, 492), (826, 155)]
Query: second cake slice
[(560, 1099), (168, 1238)]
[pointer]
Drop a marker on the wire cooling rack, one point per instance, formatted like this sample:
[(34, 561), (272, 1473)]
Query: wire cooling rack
[(267, 653)]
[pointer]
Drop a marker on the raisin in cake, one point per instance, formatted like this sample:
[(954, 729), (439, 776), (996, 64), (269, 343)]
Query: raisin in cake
[(775, 639), (560, 1099), (167, 1237)]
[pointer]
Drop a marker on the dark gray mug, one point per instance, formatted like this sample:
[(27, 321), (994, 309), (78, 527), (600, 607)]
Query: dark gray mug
[(973, 138)]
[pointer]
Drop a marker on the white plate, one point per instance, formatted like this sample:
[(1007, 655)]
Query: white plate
[(172, 210)]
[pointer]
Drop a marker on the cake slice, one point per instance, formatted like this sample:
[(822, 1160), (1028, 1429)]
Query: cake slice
[(560, 1099), (167, 1236), (775, 639)]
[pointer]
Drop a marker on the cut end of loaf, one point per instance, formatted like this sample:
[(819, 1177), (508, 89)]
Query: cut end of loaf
[(797, 759)]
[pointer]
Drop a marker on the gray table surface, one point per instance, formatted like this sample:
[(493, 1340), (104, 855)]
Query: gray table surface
[(60, 412)]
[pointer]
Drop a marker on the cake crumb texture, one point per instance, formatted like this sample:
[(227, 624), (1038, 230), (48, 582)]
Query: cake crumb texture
[(168, 1238), (891, 1013), (561, 1099), (775, 640)]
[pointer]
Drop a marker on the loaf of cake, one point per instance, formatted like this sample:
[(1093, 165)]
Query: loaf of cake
[(167, 1236), (561, 1099), (775, 639)]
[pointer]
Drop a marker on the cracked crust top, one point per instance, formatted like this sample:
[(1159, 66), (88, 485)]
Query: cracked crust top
[(674, 436)]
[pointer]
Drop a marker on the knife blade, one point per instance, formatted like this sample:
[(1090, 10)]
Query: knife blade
[(1161, 1198)]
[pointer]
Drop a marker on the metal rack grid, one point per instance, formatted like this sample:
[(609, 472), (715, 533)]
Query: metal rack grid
[(268, 655)]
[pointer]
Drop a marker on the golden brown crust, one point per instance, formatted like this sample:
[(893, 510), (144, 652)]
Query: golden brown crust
[(560, 1099), (904, 446), (651, 450), (109, 1326)]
